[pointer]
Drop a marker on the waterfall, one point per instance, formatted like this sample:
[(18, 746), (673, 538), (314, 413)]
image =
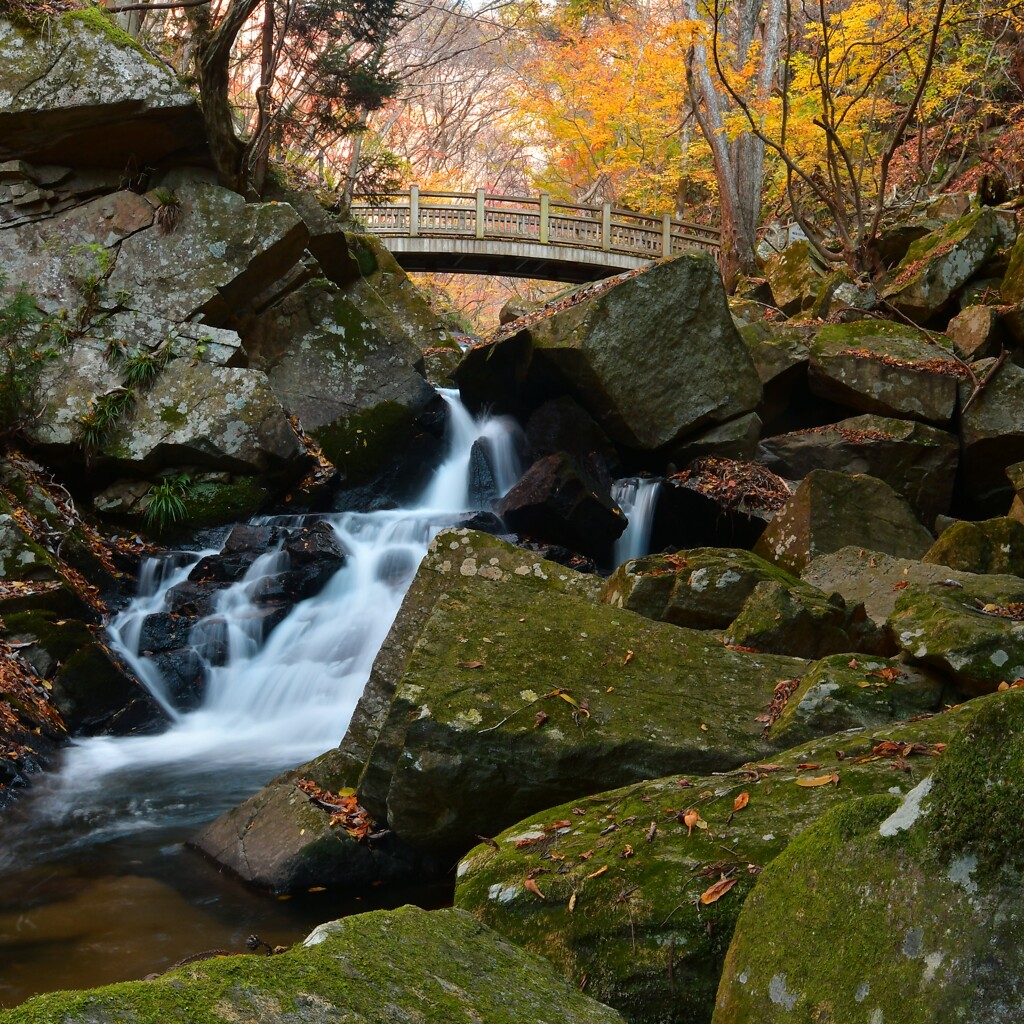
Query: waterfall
[(275, 698), (637, 497)]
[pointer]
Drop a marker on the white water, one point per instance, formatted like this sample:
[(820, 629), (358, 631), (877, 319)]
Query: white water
[(280, 699), (638, 498)]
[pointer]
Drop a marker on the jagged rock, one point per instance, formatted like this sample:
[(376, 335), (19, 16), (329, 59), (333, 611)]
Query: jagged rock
[(992, 433), (839, 291), (881, 367), (223, 252), (623, 943), (917, 461), (925, 892), (831, 510), (802, 621), (438, 715), (780, 355), (353, 380), (378, 968), (645, 356), (560, 501), (992, 546), (703, 588), (84, 92), (981, 291), (794, 279), (562, 425), (940, 263), (735, 440), (840, 693), (972, 632), (515, 308), (975, 332), (147, 332)]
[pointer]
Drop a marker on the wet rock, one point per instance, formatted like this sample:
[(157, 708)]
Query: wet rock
[(972, 633), (802, 621), (940, 263), (919, 462), (881, 367), (192, 598), (559, 501), (440, 716), (992, 433), (645, 357), (832, 510), (840, 693), (643, 910), (794, 279), (247, 539), (84, 92), (164, 631), (379, 967), (992, 546), (183, 675), (703, 588), (351, 376), (935, 877)]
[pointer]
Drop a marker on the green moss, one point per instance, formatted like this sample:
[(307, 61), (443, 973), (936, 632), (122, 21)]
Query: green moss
[(61, 642), (212, 504), (99, 20), (361, 445)]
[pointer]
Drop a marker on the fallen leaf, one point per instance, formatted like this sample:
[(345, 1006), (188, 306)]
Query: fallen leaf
[(490, 842), (652, 831), (820, 780), (471, 664), (600, 871), (572, 902), (317, 888), (628, 658), (534, 888), (901, 585), (558, 825), (540, 718), (853, 663), (807, 767), (587, 855), (717, 891), (741, 801), (627, 852), (703, 727)]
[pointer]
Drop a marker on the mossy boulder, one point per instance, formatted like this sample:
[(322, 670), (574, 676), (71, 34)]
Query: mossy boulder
[(348, 372), (635, 929), (502, 688), (794, 279), (223, 253), (917, 461), (645, 356), (21, 558), (971, 632), (800, 620), (992, 435), (991, 546), (434, 967), (780, 354), (941, 262), (703, 588), (1011, 290), (843, 692), (890, 910), (886, 368), (832, 510), (84, 93)]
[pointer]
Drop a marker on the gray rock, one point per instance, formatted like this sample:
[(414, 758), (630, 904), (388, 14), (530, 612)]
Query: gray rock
[(84, 92), (991, 546), (975, 332)]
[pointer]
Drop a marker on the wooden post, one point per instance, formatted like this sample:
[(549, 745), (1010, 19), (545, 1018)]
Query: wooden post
[(545, 218), (414, 210), (606, 226), (481, 212), (666, 235)]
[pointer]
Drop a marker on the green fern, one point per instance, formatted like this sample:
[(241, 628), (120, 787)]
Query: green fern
[(165, 502)]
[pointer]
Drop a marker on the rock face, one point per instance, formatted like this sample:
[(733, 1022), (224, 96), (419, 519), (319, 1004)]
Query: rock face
[(794, 281), (917, 461), (940, 263), (884, 368), (935, 880), (634, 841), (440, 967), (85, 92), (646, 357), (993, 546), (831, 510)]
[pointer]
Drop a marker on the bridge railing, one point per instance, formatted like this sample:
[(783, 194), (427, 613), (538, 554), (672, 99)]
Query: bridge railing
[(532, 219)]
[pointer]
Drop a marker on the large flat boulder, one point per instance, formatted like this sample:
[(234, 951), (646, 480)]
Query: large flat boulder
[(83, 92), (898, 907), (647, 356), (434, 967), (622, 874)]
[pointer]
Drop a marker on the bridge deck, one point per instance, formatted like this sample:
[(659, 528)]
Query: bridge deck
[(478, 233)]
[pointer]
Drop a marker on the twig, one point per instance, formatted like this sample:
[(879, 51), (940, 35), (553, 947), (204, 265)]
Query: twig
[(142, 6), (979, 385), (498, 725)]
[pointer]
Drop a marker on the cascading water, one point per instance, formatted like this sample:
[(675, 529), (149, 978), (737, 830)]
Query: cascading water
[(637, 497), (274, 701)]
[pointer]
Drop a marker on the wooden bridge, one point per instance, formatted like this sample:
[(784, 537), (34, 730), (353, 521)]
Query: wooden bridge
[(479, 233)]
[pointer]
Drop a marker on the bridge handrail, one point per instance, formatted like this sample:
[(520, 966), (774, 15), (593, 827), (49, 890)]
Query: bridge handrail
[(533, 219)]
